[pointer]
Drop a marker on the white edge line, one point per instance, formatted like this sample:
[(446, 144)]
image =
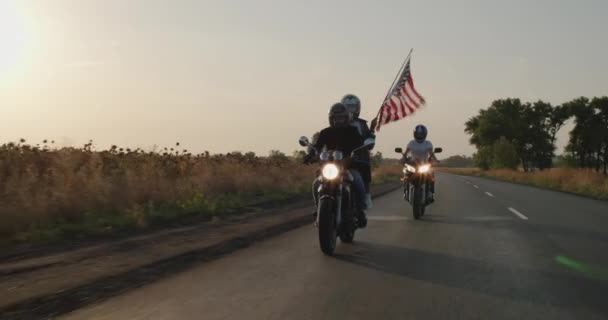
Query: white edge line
[(519, 214), (489, 194), (476, 186)]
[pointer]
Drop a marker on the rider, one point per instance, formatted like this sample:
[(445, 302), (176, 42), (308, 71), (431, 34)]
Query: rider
[(342, 137), (353, 104), (422, 149)]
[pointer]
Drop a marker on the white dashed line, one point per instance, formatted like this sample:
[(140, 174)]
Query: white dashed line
[(489, 218), (519, 214), (387, 218), (489, 194), (476, 186)]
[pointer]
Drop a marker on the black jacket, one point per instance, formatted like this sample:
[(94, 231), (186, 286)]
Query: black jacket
[(363, 128), (366, 133), (344, 139)]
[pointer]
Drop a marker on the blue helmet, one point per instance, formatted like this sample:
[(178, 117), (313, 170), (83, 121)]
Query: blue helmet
[(420, 133)]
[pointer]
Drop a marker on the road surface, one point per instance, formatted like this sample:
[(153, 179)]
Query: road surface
[(484, 250)]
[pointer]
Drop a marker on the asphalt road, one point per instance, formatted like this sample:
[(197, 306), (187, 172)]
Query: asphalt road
[(484, 250)]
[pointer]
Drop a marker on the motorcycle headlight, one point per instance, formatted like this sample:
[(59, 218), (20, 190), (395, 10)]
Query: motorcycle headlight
[(324, 156), (330, 171), (424, 168), (338, 155), (409, 168)]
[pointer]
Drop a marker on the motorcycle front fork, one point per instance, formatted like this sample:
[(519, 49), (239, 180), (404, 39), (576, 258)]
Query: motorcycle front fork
[(429, 190), (407, 187)]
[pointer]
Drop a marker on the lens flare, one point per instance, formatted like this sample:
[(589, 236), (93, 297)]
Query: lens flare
[(594, 272)]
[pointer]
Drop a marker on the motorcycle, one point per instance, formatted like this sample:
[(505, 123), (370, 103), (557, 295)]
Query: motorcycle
[(417, 182), (336, 210)]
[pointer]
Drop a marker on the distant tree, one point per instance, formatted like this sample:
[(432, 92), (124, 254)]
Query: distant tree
[(588, 142), (601, 105), (502, 119), (298, 156), (377, 159), (557, 118), (391, 161), (277, 157), (530, 128), (458, 161), (539, 135), (581, 136)]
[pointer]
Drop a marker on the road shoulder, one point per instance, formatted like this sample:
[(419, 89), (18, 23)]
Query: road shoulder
[(62, 282)]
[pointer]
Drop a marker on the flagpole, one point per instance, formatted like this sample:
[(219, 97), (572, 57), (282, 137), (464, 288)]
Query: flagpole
[(390, 89)]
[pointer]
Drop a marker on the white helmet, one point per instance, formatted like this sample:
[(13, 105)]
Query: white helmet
[(353, 104)]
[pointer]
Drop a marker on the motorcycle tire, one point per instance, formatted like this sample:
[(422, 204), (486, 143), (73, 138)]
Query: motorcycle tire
[(328, 231), (417, 205)]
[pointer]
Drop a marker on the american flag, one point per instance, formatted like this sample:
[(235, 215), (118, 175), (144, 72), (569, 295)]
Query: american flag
[(402, 101)]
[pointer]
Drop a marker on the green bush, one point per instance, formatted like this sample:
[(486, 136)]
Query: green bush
[(483, 157), (504, 154)]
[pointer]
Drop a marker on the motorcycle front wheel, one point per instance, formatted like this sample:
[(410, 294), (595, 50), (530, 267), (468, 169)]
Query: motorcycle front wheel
[(327, 226), (348, 234), (417, 205), (347, 229)]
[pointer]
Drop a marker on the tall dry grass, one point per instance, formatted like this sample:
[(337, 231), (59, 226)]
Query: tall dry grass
[(580, 181), (48, 193), (387, 173)]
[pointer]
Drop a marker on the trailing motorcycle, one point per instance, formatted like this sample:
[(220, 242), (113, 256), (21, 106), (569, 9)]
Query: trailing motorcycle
[(417, 183), (336, 210)]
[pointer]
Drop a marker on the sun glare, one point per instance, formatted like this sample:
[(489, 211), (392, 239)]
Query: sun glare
[(12, 37)]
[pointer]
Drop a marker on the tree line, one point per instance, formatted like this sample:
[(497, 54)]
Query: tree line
[(511, 133)]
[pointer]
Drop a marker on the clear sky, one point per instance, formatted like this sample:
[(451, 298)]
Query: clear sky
[(255, 75)]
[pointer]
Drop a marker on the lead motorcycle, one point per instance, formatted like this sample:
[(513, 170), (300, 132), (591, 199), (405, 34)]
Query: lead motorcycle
[(417, 183), (336, 209)]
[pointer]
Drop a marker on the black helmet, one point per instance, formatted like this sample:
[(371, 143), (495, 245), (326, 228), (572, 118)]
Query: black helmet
[(420, 133), (353, 104), (339, 116)]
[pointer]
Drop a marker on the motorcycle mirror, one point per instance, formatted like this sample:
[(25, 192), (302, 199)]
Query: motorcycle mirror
[(304, 141), (438, 150), (398, 150)]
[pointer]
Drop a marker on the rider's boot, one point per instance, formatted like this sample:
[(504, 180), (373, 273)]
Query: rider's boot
[(368, 201), (362, 219)]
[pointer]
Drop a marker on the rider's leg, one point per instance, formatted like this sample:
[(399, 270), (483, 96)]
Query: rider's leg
[(406, 186), (315, 193), (432, 187), (366, 175), (359, 189)]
